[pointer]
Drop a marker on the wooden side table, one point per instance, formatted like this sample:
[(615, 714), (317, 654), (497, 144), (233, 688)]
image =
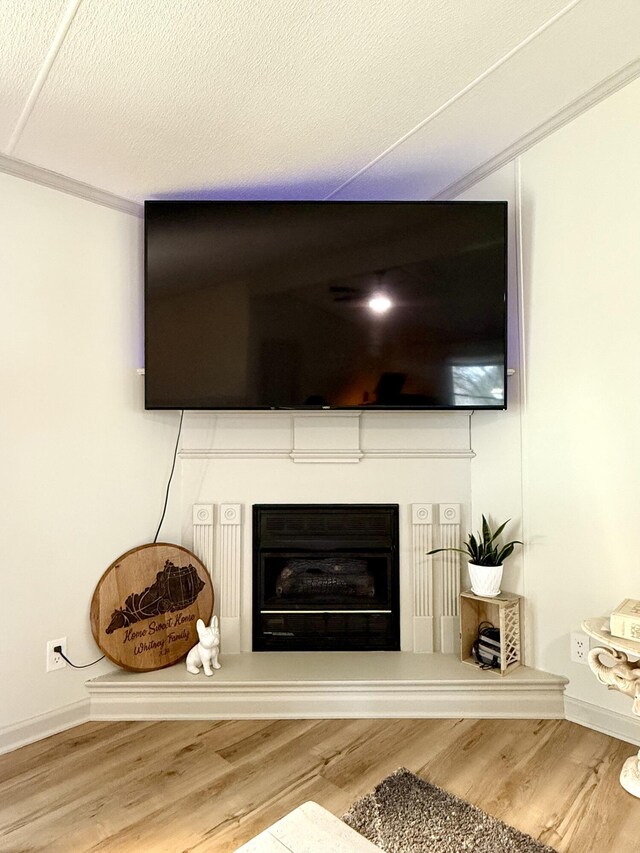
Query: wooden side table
[(622, 675)]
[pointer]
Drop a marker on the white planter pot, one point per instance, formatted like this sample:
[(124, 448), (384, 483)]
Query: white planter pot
[(485, 580)]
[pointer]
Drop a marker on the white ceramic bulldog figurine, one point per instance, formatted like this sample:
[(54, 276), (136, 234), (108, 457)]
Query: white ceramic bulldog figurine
[(205, 654)]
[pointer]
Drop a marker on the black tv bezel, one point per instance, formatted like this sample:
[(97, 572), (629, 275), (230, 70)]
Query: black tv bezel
[(319, 408)]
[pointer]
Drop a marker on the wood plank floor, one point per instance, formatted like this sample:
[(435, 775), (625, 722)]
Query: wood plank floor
[(173, 787)]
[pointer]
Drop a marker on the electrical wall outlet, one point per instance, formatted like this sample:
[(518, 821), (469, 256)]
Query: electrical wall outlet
[(55, 659), (579, 647)]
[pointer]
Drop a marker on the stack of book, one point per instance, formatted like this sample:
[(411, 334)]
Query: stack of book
[(625, 620)]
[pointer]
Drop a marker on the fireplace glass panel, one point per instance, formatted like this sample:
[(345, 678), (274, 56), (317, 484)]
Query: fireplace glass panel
[(326, 577)]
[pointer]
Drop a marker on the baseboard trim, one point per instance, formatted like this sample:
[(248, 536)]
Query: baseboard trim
[(496, 698), (43, 725), (602, 720)]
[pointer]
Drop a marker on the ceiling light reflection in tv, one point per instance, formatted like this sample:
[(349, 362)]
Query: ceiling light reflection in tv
[(316, 305)]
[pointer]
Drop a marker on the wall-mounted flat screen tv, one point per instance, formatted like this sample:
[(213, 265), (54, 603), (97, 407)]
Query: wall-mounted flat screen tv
[(325, 305)]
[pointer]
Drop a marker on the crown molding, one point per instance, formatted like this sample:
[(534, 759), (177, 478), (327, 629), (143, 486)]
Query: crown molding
[(56, 181), (598, 93)]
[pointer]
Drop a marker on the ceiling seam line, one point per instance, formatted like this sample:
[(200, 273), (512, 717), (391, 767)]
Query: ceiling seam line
[(454, 98), (43, 74)]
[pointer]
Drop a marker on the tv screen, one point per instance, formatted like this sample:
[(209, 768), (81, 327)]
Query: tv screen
[(315, 305)]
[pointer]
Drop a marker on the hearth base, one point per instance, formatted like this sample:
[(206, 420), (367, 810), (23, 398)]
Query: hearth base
[(300, 685)]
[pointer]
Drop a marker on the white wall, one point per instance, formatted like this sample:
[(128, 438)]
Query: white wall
[(563, 458), (581, 282), (496, 471), (83, 468)]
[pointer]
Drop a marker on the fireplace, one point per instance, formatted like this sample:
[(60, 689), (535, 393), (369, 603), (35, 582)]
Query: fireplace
[(325, 577)]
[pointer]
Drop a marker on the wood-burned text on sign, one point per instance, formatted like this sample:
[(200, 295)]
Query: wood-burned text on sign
[(145, 606)]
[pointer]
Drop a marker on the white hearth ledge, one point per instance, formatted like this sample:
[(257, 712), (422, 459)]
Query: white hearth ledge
[(304, 685)]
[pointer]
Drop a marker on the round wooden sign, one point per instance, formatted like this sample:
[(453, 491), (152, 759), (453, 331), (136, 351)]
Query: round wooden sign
[(145, 606)]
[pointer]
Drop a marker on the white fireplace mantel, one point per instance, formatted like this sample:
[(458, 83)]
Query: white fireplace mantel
[(326, 437), (218, 534), (418, 460), (421, 461)]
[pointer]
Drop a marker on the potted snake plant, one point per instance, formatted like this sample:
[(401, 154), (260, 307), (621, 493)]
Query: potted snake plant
[(486, 557)]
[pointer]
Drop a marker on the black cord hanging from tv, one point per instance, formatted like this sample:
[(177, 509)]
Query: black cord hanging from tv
[(173, 466)]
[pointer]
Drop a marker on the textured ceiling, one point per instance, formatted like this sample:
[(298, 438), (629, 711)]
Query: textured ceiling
[(384, 98)]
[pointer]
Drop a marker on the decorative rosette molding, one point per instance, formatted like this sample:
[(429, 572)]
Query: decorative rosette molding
[(203, 522), (422, 540)]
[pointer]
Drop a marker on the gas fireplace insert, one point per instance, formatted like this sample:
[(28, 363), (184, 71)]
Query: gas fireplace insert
[(325, 577)]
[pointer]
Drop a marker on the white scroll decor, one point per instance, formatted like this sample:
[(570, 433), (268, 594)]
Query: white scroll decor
[(422, 529), (230, 562), (450, 538), (622, 675)]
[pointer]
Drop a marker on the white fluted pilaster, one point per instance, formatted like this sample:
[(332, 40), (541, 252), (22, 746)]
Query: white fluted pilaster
[(230, 562), (422, 542), (449, 518)]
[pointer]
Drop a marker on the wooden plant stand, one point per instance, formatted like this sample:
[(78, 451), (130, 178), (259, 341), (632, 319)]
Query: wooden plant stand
[(503, 612)]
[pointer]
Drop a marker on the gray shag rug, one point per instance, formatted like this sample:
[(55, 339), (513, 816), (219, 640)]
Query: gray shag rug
[(405, 814)]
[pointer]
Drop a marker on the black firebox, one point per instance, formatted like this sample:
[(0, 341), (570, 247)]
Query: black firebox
[(326, 577)]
